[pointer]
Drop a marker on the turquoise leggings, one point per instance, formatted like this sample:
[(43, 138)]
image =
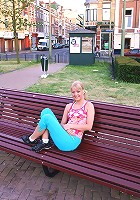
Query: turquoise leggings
[(60, 137)]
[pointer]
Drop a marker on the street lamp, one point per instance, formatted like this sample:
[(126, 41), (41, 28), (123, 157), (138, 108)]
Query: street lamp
[(123, 29), (110, 31), (50, 34)]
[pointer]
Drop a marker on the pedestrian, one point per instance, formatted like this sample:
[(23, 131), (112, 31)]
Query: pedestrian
[(67, 136), (97, 51)]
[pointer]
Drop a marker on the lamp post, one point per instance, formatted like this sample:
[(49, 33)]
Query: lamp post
[(110, 30), (50, 34), (123, 29)]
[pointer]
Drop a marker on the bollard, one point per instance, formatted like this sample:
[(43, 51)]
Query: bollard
[(55, 58), (6, 57), (44, 64), (58, 58), (25, 57), (37, 58), (113, 68)]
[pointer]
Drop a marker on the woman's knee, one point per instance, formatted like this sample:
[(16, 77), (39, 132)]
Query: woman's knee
[(45, 111), (44, 121), (45, 117)]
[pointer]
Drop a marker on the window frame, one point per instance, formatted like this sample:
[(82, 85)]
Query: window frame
[(106, 7), (127, 18), (91, 13)]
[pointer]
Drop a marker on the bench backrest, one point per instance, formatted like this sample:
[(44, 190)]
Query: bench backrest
[(116, 127)]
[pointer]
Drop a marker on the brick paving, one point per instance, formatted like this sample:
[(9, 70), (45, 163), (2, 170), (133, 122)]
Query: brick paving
[(21, 179)]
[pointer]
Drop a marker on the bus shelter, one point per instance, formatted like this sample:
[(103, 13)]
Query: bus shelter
[(81, 47)]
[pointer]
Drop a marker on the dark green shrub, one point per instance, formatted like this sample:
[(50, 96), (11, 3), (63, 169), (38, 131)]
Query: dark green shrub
[(127, 69), (137, 59)]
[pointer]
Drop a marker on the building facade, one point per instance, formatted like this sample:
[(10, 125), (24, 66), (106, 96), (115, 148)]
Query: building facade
[(37, 27), (6, 34), (132, 25), (106, 17), (99, 16)]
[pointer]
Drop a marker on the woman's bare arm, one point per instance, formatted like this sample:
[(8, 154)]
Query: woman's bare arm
[(65, 114)]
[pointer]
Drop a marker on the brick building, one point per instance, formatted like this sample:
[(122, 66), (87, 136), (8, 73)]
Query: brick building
[(37, 14), (106, 16), (99, 16), (132, 24)]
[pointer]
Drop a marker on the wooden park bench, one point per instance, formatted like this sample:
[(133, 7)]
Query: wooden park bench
[(109, 154)]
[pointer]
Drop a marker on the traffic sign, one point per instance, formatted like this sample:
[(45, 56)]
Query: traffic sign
[(108, 30)]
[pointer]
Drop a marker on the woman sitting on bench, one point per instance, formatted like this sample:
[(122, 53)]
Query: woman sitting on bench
[(77, 118)]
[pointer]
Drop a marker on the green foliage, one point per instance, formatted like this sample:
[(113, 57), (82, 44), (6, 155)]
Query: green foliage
[(137, 59), (127, 69), (54, 5), (12, 11)]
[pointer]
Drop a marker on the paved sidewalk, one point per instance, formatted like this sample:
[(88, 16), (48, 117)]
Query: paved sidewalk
[(23, 78), (21, 179)]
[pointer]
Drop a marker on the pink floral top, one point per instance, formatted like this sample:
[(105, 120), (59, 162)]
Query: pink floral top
[(77, 116)]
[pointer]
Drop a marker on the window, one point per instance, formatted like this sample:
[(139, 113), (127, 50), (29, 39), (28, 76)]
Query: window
[(91, 15), (87, 17), (128, 18), (106, 11), (37, 14), (104, 41)]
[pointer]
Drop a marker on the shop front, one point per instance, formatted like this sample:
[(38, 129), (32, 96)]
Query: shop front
[(21, 41), (2, 48), (105, 39), (8, 44)]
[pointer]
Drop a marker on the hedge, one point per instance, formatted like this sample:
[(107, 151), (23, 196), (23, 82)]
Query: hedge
[(127, 69)]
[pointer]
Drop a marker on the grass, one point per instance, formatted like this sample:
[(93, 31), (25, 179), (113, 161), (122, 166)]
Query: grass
[(8, 66), (97, 80)]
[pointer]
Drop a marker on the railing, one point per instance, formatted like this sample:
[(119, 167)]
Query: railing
[(57, 57), (26, 56)]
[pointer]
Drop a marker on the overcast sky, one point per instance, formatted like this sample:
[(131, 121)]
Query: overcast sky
[(73, 4)]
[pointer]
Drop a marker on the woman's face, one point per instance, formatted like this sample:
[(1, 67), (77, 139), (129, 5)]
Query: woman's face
[(77, 93)]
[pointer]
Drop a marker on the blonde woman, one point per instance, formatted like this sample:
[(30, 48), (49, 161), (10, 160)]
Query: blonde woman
[(77, 118)]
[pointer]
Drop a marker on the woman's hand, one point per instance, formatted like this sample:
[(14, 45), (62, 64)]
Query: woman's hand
[(67, 126), (70, 131)]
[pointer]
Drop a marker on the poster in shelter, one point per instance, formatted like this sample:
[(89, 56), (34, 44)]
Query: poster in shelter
[(74, 44), (86, 44)]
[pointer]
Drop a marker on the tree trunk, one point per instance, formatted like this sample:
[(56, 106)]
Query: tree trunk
[(17, 48), (15, 33)]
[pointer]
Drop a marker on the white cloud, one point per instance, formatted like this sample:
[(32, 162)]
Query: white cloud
[(73, 4)]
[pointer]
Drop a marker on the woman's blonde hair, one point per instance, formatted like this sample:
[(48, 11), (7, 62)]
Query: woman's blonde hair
[(79, 85)]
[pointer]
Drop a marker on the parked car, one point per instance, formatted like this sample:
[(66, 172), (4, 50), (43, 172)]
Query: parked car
[(57, 46), (43, 45), (133, 52)]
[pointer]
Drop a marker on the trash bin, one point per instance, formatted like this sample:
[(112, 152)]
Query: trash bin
[(44, 63)]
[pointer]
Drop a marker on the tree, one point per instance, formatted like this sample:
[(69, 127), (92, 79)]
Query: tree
[(54, 5), (13, 19)]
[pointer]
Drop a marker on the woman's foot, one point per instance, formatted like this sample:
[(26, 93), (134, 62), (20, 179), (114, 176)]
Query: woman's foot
[(40, 146), (26, 140)]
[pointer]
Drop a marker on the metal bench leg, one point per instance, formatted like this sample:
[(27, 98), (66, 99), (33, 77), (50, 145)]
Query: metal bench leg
[(50, 172)]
